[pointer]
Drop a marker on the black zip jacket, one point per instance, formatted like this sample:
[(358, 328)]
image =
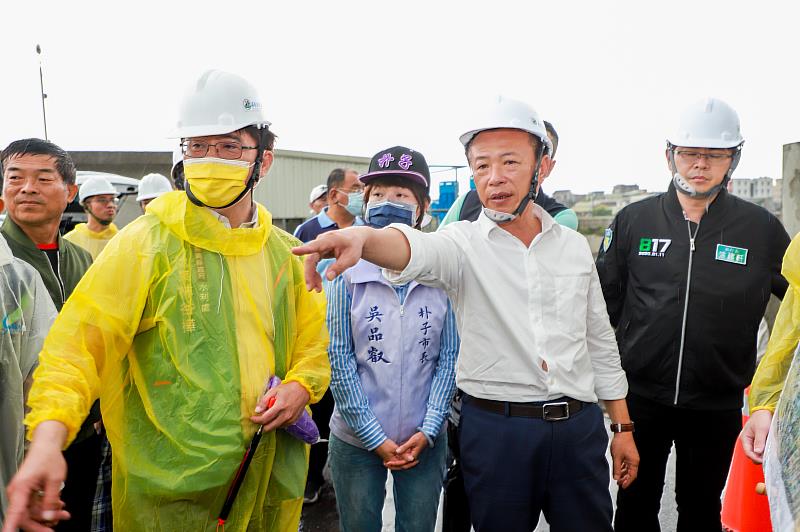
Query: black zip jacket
[(699, 355)]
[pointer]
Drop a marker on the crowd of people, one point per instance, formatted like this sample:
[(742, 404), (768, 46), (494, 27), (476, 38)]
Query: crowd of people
[(479, 361)]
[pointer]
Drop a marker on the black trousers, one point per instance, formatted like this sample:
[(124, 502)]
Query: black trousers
[(516, 468), (455, 508), (321, 414), (83, 463), (704, 441)]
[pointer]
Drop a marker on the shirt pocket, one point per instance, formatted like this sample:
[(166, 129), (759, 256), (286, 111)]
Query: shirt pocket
[(572, 297)]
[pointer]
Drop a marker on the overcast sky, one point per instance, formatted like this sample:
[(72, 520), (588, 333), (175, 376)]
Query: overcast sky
[(355, 77)]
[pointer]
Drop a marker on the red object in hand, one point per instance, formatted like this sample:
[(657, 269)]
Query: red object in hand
[(271, 402)]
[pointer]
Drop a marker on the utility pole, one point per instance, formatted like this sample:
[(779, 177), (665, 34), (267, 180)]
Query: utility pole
[(41, 84)]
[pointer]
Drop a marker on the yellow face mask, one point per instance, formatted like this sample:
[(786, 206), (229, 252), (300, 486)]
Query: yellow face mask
[(216, 182)]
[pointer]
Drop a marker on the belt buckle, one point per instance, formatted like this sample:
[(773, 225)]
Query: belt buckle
[(549, 415)]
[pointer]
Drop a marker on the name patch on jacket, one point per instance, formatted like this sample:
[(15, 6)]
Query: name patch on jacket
[(654, 247), (731, 254)]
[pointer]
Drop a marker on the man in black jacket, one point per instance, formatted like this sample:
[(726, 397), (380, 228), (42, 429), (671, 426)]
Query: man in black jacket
[(687, 276)]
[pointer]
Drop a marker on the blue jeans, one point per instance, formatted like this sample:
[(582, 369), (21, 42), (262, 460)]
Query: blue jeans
[(359, 480)]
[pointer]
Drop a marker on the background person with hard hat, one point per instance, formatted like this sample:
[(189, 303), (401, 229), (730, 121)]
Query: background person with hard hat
[(99, 199), (536, 351), (150, 187), (178, 179), (214, 306), (687, 276), (318, 198)]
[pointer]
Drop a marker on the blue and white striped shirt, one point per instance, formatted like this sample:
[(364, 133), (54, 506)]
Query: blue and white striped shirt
[(351, 400)]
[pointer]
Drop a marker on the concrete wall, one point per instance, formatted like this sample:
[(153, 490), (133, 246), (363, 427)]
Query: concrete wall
[(791, 188)]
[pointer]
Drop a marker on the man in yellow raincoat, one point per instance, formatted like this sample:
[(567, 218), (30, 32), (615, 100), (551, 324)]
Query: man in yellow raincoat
[(99, 199), (770, 377), (176, 328)]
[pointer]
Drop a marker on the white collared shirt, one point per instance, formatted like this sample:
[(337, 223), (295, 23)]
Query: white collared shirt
[(518, 306), (246, 225)]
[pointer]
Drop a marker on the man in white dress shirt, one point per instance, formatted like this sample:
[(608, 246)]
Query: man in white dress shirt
[(537, 349)]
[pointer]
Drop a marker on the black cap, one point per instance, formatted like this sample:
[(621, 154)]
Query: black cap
[(399, 162)]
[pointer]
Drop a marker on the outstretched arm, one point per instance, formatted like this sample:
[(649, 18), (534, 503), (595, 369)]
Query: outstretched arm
[(386, 247)]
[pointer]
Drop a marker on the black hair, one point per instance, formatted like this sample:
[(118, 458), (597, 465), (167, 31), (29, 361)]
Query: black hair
[(336, 178), (64, 164), (420, 192)]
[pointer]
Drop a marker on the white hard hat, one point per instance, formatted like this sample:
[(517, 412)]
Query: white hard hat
[(177, 158), (505, 113), (152, 186), (217, 103), (708, 123), (95, 186), (317, 192)]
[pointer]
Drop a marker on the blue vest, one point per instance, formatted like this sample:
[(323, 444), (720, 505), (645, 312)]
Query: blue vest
[(397, 350)]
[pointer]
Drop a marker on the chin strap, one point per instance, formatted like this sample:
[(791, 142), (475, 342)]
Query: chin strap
[(683, 186), (251, 181), (98, 220), (504, 217)]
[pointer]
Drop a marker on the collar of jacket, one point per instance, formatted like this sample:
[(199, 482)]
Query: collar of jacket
[(199, 227), (717, 208), (367, 272), (15, 232)]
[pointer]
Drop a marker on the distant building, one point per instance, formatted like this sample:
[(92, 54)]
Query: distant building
[(754, 189), (763, 191), (624, 189)]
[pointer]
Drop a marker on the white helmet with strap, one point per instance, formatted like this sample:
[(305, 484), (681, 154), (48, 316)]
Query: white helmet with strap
[(218, 103), (707, 123), (95, 186), (506, 113)]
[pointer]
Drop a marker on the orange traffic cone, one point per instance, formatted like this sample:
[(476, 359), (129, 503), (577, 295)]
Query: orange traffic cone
[(744, 510)]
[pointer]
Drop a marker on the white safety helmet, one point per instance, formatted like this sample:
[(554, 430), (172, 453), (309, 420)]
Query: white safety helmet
[(505, 113), (708, 123), (217, 103), (95, 186), (152, 186), (317, 192)]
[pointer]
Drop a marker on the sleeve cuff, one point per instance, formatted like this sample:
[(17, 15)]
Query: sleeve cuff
[(371, 434)]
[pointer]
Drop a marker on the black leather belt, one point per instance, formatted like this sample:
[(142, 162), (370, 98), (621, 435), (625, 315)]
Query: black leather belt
[(550, 411)]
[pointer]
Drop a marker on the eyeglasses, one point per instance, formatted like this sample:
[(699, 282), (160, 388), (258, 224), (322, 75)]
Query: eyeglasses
[(105, 201), (694, 156), (352, 191), (229, 149)]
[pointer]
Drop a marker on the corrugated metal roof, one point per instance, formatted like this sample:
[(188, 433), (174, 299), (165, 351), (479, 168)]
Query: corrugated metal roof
[(284, 190)]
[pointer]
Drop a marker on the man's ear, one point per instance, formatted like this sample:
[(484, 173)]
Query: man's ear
[(71, 191), (266, 162)]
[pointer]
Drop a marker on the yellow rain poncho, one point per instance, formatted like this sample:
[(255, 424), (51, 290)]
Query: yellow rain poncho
[(176, 327), (771, 373), (91, 241)]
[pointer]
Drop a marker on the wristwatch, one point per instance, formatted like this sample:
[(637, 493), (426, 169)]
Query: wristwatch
[(622, 427)]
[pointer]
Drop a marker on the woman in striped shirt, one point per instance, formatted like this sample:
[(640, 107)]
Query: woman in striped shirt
[(393, 351)]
